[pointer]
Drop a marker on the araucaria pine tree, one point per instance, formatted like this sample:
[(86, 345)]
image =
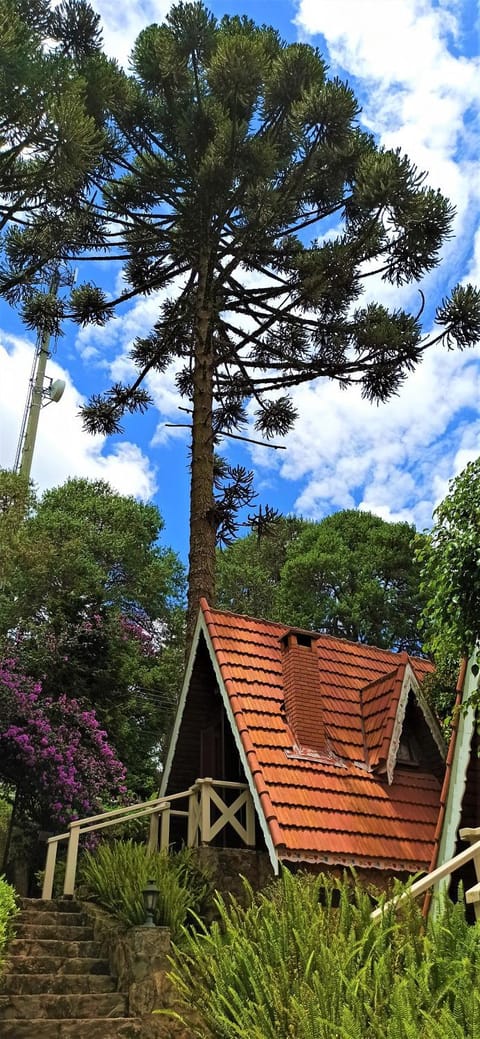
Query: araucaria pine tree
[(234, 155)]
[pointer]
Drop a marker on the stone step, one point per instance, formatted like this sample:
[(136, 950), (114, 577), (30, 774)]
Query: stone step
[(52, 905), (88, 1028), (85, 1005), (33, 984), (52, 947), (35, 932), (51, 917), (25, 965)]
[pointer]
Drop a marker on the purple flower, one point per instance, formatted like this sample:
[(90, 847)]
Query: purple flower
[(56, 751)]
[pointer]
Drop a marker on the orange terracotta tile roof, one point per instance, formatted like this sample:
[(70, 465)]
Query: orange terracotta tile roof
[(323, 800)]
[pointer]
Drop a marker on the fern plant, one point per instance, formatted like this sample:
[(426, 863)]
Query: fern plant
[(8, 911), (115, 874), (305, 961)]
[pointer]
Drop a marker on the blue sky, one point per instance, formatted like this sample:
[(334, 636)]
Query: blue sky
[(414, 65)]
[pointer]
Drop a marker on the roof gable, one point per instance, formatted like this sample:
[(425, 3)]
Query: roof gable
[(379, 702)]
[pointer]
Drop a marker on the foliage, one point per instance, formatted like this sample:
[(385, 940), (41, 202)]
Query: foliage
[(8, 911), (115, 874), (228, 154), (92, 603), (17, 500), (5, 817), (249, 572), (55, 752), (449, 559), (305, 960), (351, 575), (52, 139)]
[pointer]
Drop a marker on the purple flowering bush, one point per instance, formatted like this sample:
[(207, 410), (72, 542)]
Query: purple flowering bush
[(54, 751)]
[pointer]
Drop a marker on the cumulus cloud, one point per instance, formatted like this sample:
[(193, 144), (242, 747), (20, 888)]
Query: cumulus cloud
[(63, 449), (417, 93), (420, 94), (396, 459), (122, 22)]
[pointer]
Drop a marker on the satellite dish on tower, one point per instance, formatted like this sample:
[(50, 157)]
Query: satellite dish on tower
[(56, 390)]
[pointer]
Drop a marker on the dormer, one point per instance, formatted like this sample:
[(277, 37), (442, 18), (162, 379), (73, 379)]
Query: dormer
[(399, 727)]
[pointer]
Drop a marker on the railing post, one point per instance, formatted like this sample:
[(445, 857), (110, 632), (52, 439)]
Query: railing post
[(250, 820), (193, 818), (165, 828), (47, 889), (472, 896), (72, 855), (153, 833), (205, 811)]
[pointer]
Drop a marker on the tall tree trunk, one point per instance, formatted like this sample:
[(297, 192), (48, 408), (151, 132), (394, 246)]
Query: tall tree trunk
[(201, 577)]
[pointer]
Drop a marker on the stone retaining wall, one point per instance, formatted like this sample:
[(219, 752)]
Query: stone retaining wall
[(227, 867), (138, 958)]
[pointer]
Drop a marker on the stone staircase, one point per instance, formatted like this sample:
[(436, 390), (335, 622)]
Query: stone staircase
[(57, 985)]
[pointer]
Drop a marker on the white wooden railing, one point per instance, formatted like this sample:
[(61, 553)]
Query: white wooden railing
[(202, 800), (441, 873)]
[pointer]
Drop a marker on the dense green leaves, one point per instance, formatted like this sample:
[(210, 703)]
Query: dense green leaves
[(115, 874), (449, 558), (8, 911), (351, 575), (304, 960), (51, 143), (92, 605)]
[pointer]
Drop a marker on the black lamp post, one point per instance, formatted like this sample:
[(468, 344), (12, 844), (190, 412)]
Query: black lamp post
[(150, 901)]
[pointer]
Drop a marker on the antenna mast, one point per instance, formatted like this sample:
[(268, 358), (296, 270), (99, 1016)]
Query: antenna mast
[(33, 404)]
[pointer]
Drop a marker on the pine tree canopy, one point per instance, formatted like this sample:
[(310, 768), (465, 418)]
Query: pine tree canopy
[(52, 139), (230, 174)]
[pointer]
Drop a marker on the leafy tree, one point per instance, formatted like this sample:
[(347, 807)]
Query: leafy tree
[(449, 559), (248, 572), (94, 605), (54, 752), (17, 499), (233, 155), (351, 575)]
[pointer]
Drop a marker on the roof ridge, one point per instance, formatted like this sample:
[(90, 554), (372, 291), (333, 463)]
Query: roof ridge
[(244, 616), (380, 678), (311, 631)]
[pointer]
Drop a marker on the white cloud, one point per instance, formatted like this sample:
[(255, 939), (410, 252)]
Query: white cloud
[(416, 93), (122, 22), (63, 449), (396, 459)]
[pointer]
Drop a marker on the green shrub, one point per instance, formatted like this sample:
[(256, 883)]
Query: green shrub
[(8, 911), (305, 961), (116, 873)]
